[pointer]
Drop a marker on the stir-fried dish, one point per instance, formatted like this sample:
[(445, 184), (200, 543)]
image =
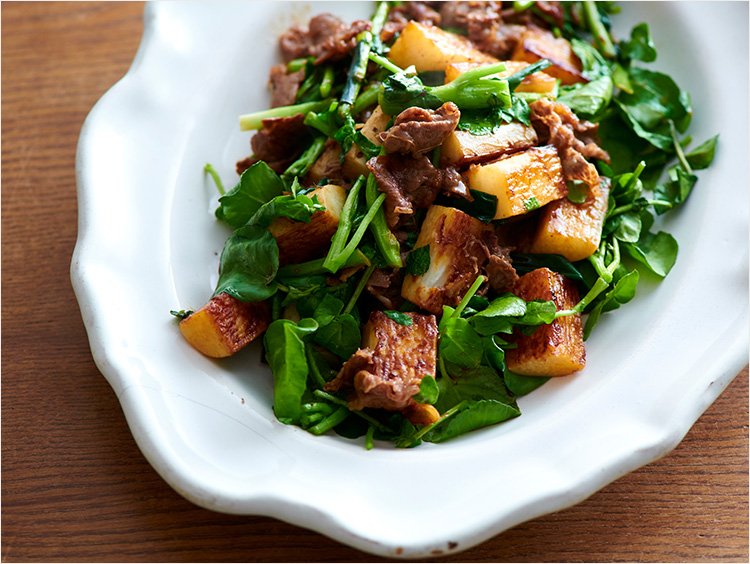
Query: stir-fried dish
[(438, 208)]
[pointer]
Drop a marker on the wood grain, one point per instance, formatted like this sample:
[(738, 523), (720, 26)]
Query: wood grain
[(75, 487)]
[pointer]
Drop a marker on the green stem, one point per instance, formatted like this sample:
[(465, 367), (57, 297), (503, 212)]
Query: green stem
[(469, 294), (385, 240), (215, 175), (345, 225), (295, 65), (360, 232), (597, 28), (302, 165), (255, 120), (319, 380), (333, 399), (678, 149), (448, 414), (368, 437), (331, 421), (360, 287), (367, 98), (628, 207), (327, 83), (385, 63), (315, 267)]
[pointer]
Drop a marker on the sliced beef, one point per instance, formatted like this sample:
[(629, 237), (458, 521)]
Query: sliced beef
[(498, 268), (458, 14), (419, 131), (401, 15), (495, 38), (387, 371), (453, 184), (284, 86), (408, 183), (327, 38), (385, 285), (280, 141), (575, 140)]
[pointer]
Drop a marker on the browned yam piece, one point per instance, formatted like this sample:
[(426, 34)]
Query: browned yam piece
[(355, 160), (538, 44), (463, 148), (522, 182), (224, 325), (537, 83), (387, 371), (299, 241), (421, 413), (457, 251), (430, 48), (555, 349), (572, 230)]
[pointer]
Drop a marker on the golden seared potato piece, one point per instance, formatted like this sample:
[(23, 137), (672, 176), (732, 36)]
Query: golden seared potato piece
[(569, 229), (537, 83), (299, 241), (430, 48), (522, 182), (388, 370), (456, 253), (555, 349), (224, 325), (354, 160), (538, 44), (462, 148)]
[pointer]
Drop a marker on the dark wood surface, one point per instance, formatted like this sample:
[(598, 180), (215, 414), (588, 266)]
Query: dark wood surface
[(75, 487)]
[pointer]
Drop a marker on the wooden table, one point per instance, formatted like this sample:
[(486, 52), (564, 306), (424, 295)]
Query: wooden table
[(74, 485)]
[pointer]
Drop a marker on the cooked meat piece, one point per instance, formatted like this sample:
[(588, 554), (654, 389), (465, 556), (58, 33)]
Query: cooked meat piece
[(419, 131), (453, 184), (544, 14), (284, 86), (575, 140), (408, 183), (399, 16), (499, 267), (458, 14), (551, 11), (387, 371), (385, 285), (495, 38), (280, 141), (244, 164), (327, 39)]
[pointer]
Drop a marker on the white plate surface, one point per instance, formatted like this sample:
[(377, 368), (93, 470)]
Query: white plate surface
[(148, 243)]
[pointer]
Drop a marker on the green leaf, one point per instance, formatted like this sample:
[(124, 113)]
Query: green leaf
[(428, 391), (703, 155), (342, 336), (248, 265), (640, 47), (496, 318), (531, 204), (460, 344), (398, 317), (628, 226), (658, 252), (483, 206), (524, 263), (588, 99), (521, 385), (257, 186), (474, 415), (418, 261), (578, 191), (297, 208), (285, 354)]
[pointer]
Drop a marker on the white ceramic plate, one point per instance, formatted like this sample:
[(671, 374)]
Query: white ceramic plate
[(148, 243)]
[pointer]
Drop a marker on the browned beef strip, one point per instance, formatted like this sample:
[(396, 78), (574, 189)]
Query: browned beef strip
[(498, 268), (387, 371), (453, 184), (495, 38), (399, 16), (284, 86), (457, 14), (280, 141), (327, 38), (244, 164), (575, 140), (385, 285), (408, 183), (419, 131)]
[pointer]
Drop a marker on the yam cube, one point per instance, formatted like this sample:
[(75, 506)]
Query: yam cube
[(522, 182), (572, 230), (538, 44), (387, 371), (552, 350), (462, 148), (537, 83), (299, 241), (224, 325), (355, 159), (430, 48), (456, 252)]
